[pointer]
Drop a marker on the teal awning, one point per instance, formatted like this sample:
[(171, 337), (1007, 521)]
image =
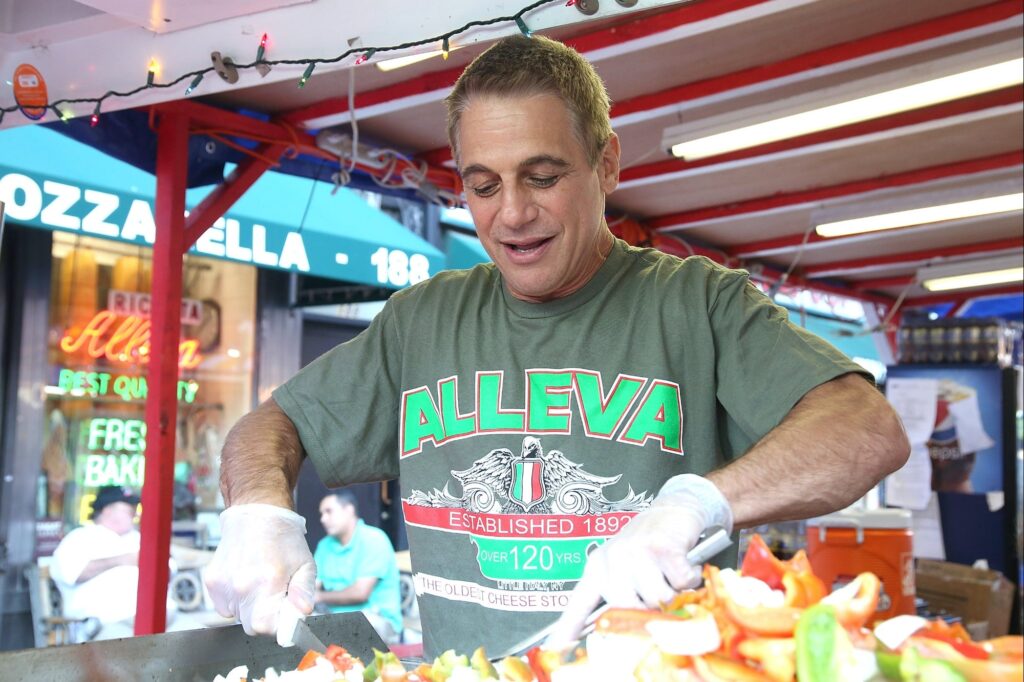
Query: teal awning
[(285, 222), (464, 251), (848, 337)]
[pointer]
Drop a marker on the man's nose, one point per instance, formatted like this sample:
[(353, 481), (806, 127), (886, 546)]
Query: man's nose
[(517, 208)]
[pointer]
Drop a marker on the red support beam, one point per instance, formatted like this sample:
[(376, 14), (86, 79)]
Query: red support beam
[(634, 29), (964, 295), (162, 372), (882, 283), (790, 242), (914, 177), (815, 59), (772, 274), (904, 119), (211, 120), (958, 308), (855, 265), (222, 197)]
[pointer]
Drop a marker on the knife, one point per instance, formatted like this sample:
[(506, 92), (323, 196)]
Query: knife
[(292, 630), (712, 544)]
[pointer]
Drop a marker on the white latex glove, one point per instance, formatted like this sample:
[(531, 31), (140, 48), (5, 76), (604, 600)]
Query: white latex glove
[(645, 563), (261, 563)]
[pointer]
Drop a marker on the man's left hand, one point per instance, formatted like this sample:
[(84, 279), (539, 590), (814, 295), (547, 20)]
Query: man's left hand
[(645, 564)]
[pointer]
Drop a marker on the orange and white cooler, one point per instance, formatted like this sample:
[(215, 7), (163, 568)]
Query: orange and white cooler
[(852, 541)]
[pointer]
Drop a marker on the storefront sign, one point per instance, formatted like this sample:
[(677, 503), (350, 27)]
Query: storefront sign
[(95, 384), (30, 91), (122, 339), (49, 203), (138, 303)]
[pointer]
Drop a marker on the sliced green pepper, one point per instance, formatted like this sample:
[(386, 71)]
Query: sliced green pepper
[(817, 641), (446, 663), (889, 664), (482, 665), (916, 668)]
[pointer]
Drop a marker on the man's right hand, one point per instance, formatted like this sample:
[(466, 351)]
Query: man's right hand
[(261, 561)]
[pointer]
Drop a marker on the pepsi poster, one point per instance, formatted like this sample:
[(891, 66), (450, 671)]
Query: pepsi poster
[(966, 444)]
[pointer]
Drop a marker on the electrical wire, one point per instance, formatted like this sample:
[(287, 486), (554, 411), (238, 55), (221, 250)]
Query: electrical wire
[(353, 119), (781, 281), (365, 51)]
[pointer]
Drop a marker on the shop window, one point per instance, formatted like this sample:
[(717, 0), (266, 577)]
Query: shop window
[(98, 350)]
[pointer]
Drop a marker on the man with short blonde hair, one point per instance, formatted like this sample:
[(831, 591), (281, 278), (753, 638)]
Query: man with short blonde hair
[(571, 417), (524, 67)]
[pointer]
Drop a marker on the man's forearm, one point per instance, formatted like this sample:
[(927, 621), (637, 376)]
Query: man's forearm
[(97, 566), (832, 447), (261, 458)]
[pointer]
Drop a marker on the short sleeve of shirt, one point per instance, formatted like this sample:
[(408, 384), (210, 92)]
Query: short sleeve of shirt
[(378, 556), (320, 556), (71, 557), (344, 406), (765, 363)]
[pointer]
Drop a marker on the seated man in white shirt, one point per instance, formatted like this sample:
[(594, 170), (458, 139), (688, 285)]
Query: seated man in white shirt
[(96, 566)]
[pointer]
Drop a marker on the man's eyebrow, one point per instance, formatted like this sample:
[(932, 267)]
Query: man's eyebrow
[(544, 158), (474, 168), (532, 161)]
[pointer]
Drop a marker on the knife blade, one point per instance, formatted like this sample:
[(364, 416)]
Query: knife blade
[(292, 630), (305, 639)]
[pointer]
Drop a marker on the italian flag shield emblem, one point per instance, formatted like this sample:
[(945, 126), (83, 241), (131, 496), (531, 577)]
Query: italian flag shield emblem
[(527, 488)]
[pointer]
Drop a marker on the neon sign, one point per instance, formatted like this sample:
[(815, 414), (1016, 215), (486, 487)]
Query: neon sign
[(120, 470), (128, 341), (139, 303), (117, 435), (125, 386)]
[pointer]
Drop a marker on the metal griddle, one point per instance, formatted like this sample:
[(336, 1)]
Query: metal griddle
[(189, 656)]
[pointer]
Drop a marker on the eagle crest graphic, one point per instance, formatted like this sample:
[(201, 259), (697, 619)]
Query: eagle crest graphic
[(534, 482)]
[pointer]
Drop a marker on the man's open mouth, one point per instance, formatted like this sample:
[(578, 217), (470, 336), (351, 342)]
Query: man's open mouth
[(527, 247)]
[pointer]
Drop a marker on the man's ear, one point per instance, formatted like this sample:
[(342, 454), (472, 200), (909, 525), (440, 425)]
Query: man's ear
[(608, 164)]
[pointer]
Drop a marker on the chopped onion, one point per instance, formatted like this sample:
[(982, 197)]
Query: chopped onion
[(691, 637), (750, 592), (897, 630)]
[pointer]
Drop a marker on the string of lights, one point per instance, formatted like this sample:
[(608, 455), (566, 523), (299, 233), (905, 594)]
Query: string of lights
[(62, 107)]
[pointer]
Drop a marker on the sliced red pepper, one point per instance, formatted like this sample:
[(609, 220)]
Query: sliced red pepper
[(803, 588), (308, 661), (968, 649), (760, 563), (796, 594), (1009, 647), (854, 612), (715, 668), (768, 621), (629, 621), (533, 657), (814, 587)]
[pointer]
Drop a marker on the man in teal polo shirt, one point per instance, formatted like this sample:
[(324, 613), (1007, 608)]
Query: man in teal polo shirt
[(356, 568)]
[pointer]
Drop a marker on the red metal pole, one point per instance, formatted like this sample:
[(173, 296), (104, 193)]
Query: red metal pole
[(162, 374)]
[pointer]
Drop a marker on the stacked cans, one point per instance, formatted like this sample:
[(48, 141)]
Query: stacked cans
[(987, 341)]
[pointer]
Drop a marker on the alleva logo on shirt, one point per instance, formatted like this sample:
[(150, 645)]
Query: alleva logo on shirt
[(633, 411)]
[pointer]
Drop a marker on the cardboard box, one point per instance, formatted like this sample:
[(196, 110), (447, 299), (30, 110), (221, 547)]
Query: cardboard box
[(983, 599)]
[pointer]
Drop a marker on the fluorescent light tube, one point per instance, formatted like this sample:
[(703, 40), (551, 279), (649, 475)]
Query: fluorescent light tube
[(920, 216), (399, 62), (915, 96), (978, 279), (970, 274)]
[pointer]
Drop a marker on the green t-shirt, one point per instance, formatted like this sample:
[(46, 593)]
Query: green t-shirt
[(369, 554), (525, 434)]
